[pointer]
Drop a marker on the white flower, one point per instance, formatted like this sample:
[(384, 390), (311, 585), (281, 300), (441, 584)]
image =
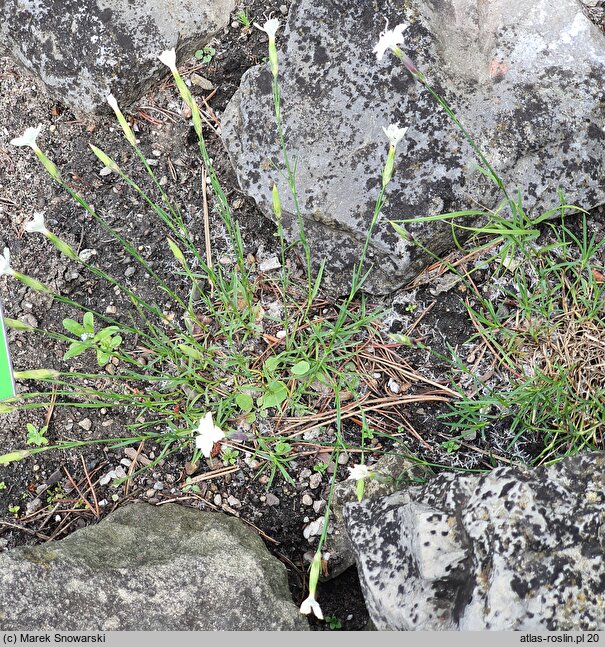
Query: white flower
[(37, 224), (270, 27), (311, 605), (359, 472), (389, 39), (111, 100), (168, 57), (5, 260), (394, 133), (208, 434), (28, 138)]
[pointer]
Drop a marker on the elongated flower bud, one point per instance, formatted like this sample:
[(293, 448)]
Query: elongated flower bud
[(50, 167), (5, 459), (17, 324), (387, 172), (177, 253), (277, 210), (37, 374), (127, 130), (63, 247), (32, 283)]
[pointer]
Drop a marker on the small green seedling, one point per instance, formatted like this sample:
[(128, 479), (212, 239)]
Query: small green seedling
[(105, 341), (244, 20), (35, 436), (334, 623), (191, 487), (14, 509), (3, 485), (206, 54), (230, 455)]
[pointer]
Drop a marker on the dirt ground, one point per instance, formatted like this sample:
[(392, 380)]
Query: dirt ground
[(40, 486)]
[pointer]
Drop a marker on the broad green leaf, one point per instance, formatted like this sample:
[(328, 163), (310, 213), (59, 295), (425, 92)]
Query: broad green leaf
[(271, 363), (301, 368), (244, 402), (89, 321), (73, 327), (276, 393), (76, 348), (190, 351)]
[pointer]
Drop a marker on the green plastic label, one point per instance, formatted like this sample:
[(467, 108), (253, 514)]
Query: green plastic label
[(7, 383)]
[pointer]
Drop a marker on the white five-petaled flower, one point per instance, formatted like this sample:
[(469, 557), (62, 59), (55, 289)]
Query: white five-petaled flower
[(394, 133), (270, 27), (389, 39), (37, 224), (311, 605), (359, 472), (28, 138), (5, 260), (208, 434), (168, 57)]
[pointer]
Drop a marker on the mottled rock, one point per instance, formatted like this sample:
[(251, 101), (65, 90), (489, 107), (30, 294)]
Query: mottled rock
[(526, 77), (146, 568), (508, 550), (389, 473), (84, 50)]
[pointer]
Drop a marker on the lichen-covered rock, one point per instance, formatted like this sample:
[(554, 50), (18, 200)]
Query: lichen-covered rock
[(146, 568), (389, 472), (84, 50), (508, 550), (526, 77)]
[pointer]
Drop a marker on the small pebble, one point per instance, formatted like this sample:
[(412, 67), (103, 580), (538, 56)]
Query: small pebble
[(315, 480), (281, 334), (129, 271), (33, 506), (201, 82), (158, 485), (218, 499), (393, 386), (307, 499), (319, 506), (111, 310), (343, 458), (233, 502), (304, 474), (271, 499), (126, 462), (86, 254), (283, 9), (269, 264), (314, 528), (150, 493), (85, 423)]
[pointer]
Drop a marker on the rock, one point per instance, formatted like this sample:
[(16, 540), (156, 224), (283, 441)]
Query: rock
[(83, 50), (388, 470), (532, 95), (166, 568), (510, 550), (85, 423), (271, 499)]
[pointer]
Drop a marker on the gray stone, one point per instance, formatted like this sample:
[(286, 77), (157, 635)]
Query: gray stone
[(84, 50), (527, 77), (508, 550), (146, 568), (389, 471)]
